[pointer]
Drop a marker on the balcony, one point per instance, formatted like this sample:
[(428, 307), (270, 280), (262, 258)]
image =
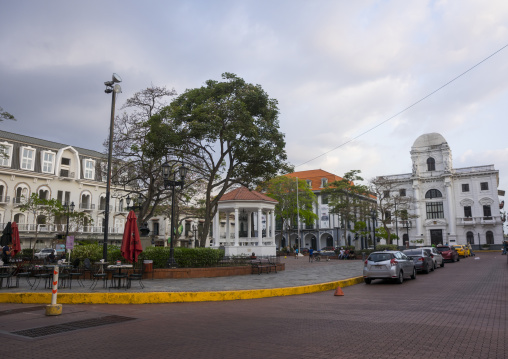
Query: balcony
[(4, 199), (87, 207), (488, 221), (468, 221), (18, 201), (65, 174)]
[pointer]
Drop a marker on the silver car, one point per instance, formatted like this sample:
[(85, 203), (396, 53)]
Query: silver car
[(388, 265), (436, 256)]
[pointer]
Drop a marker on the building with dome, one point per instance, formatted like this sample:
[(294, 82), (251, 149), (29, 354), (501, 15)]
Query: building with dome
[(446, 204)]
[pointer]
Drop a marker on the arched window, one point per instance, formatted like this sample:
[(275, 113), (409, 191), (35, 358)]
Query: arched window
[(431, 164), (433, 193), (490, 237), (470, 237)]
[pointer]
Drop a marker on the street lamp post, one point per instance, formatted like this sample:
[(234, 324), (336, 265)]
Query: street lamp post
[(195, 230), (396, 223), (136, 203), (407, 225), (373, 215), (166, 173), (70, 209), (113, 88)]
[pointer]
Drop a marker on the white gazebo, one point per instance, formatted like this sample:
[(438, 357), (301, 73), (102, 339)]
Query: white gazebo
[(248, 226)]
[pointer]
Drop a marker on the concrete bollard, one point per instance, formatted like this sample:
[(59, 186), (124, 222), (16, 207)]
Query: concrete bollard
[(53, 308)]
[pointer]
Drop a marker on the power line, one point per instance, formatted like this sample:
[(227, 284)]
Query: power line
[(407, 108)]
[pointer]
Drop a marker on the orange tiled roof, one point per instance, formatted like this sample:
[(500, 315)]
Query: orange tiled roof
[(315, 176), (244, 194)]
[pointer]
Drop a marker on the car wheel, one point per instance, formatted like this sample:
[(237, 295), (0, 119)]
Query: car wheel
[(400, 280), (433, 267), (413, 276), (367, 280), (458, 259), (442, 264)]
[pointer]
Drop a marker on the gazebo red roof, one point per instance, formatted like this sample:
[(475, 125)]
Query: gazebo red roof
[(244, 194)]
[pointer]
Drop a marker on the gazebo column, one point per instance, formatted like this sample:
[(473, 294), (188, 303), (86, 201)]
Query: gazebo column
[(249, 225), (216, 230), (260, 227), (237, 226), (228, 236), (273, 225)]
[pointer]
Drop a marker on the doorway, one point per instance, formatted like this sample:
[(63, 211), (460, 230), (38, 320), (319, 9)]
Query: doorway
[(436, 236)]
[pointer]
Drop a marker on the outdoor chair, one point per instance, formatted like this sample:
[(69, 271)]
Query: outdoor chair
[(117, 279), (98, 274), (63, 277), (87, 268), (76, 272), (7, 275), (42, 274), (25, 271), (137, 274)]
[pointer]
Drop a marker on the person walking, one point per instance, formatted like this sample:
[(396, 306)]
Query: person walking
[(311, 253), (296, 252)]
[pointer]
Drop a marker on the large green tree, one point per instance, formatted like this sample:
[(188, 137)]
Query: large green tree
[(348, 199), (227, 132), (294, 202)]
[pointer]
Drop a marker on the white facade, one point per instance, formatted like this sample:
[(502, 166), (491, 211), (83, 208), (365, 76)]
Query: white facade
[(68, 174), (451, 205)]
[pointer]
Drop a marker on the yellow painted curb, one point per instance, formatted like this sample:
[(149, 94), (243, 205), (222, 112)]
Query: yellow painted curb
[(172, 297)]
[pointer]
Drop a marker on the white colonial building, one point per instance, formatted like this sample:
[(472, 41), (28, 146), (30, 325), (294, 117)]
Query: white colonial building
[(68, 174), (448, 205)]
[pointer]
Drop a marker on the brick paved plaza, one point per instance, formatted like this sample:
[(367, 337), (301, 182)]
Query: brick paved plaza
[(459, 311)]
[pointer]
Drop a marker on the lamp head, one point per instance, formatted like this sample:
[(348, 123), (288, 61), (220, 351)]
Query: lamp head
[(116, 78)]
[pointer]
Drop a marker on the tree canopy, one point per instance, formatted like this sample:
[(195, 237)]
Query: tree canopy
[(227, 132)]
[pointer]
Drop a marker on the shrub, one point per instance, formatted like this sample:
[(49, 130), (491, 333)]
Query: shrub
[(386, 247)]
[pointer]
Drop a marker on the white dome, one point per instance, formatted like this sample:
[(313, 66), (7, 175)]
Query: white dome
[(429, 139)]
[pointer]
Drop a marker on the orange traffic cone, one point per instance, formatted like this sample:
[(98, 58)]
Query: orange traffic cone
[(338, 291)]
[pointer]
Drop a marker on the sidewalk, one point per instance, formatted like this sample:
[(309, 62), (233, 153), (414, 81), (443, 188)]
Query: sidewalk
[(299, 277)]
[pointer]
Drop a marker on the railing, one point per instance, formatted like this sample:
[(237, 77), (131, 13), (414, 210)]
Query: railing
[(18, 200), (5, 199), (87, 206), (471, 221), (474, 169), (398, 177)]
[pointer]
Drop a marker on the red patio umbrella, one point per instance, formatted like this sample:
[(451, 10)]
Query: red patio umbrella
[(16, 245), (131, 245)]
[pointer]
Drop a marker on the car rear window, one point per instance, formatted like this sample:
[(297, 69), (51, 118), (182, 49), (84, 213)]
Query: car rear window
[(379, 257), (443, 249), (414, 252), (47, 250)]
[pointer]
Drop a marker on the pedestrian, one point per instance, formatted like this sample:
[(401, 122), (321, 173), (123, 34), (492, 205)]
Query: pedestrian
[(296, 251), (505, 247), (6, 253), (341, 253), (311, 252)]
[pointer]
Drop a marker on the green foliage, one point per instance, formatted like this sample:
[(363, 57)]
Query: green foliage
[(25, 253), (381, 232), (283, 189), (386, 247), (185, 257)]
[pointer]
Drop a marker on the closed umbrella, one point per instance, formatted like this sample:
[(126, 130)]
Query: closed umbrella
[(6, 235), (131, 244), (16, 245)]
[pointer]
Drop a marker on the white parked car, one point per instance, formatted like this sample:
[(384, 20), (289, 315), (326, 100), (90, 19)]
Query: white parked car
[(43, 253), (437, 258)]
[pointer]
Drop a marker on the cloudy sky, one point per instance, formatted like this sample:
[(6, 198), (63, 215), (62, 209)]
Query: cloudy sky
[(340, 70)]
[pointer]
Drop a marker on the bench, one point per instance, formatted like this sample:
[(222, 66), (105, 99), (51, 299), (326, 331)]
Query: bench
[(259, 265)]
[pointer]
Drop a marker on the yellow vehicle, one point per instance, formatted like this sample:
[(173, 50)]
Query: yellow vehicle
[(468, 249), (460, 250)]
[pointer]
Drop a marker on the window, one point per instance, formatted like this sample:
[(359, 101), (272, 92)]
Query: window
[(324, 182), (324, 199), (486, 211), (66, 161), (490, 237), (433, 193), (386, 194), (5, 154), (431, 164), (309, 183), (27, 158), (403, 214), (48, 161), (89, 169), (467, 211), (470, 237), (435, 210), (484, 186), (388, 215), (402, 192), (465, 187)]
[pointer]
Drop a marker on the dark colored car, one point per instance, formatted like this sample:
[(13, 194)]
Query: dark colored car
[(449, 254), (422, 260)]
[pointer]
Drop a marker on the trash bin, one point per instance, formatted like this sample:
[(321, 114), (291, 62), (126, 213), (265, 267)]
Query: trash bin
[(148, 266)]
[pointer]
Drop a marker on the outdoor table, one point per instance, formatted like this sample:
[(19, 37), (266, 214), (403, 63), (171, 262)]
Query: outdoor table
[(119, 267), (102, 264)]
